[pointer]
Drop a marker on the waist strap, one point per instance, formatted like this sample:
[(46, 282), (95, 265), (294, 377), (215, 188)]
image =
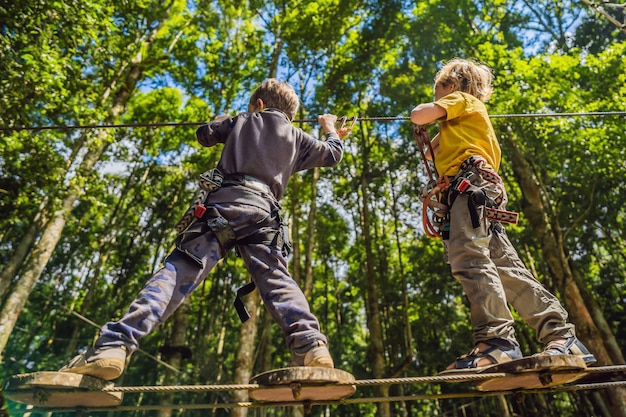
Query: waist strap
[(246, 181)]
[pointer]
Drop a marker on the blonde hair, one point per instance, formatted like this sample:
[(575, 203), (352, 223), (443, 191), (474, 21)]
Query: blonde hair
[(467, 76), (278, 95)]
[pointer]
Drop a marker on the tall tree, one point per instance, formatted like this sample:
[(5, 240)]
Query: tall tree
[(115, 94)]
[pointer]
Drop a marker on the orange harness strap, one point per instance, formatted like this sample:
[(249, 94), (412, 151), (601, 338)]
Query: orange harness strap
[(432, 197)]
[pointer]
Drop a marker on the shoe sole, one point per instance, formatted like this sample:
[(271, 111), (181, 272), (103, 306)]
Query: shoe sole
[(589, 359), (106, 369), (323, 362)]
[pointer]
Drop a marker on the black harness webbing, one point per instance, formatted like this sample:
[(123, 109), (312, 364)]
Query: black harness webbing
[(268, 236), (240, 307), (262, 234), (477, 198)]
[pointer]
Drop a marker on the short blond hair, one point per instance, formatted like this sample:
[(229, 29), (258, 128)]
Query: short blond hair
[(278, 95), (467, 76)]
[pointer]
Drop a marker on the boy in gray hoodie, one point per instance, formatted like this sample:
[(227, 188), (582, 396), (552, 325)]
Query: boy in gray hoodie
[(262, 149)]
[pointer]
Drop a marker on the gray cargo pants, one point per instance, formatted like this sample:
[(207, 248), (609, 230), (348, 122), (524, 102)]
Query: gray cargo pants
[(492, 274), (181, 274)]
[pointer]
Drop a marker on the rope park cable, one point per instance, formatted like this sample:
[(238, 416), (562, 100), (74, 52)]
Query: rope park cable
[(345, 401), (353, 118)]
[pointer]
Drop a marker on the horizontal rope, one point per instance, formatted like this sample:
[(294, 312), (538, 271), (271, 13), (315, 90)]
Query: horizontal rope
[(453, 378), (358, 119), (179, 388), (364, 382), (426, 379)]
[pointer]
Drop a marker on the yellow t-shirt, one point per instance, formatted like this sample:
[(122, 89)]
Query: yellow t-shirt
[(466, 131)]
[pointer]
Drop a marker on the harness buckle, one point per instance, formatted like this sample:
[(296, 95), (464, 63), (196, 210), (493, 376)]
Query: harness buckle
[(463, 185), (211, 180)]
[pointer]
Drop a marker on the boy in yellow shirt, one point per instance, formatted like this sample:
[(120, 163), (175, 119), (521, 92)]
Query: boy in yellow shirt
[(481, 257)]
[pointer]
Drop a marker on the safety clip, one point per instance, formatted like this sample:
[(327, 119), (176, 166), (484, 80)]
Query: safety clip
[(344, 131)]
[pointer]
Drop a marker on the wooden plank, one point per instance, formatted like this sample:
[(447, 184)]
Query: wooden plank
[(302, 384), (532, 372), (60, 389)]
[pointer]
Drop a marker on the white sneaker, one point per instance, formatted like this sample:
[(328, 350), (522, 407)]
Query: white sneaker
[(315, 354), (569, 346), (105, 363)]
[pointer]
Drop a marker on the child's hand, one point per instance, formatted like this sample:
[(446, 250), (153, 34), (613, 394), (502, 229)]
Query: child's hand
[(327, 121)]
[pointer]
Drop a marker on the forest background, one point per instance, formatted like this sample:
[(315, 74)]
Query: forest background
[(88, 213)]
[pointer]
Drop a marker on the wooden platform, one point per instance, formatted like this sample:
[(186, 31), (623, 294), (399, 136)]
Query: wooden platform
[(534, 372), (302, 384), (60, 390)]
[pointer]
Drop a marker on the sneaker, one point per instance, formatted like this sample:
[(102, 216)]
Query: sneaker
[(569, 346), (315, 354), (105, 363), (494, 351)]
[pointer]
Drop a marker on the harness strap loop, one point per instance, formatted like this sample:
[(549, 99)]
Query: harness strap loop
[(430, 197), (240, 307), (477, 197), (503, 216)]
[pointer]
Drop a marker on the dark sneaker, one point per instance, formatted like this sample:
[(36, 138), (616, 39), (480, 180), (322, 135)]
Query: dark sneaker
[(105, 363), (569, 346), (494, 351), (315, 354)]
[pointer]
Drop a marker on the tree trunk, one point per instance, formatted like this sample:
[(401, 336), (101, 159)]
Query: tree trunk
[(32, 270), (12, 268), (130, 73), (377, 349), (294, 208), (174, 354), (310, 239), (244, 360), (590, 325)]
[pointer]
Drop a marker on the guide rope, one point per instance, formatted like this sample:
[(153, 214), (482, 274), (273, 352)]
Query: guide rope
[(364, 382), (353, 119), (369, 382), (345, 401)]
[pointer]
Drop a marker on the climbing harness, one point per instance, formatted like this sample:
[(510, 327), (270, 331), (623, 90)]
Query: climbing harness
[(430, 195), (439, 193), (248, 182), (271, 231), (266, 233), (462, 184)]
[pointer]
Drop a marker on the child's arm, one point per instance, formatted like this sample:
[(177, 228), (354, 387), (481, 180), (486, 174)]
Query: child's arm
[(313, 152), (214, 132), (427, 113)]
